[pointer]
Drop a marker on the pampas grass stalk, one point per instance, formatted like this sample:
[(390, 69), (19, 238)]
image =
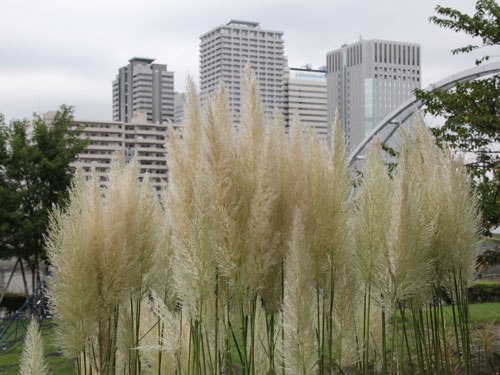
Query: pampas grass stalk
[(73, 285), (300, 347), (371, 222), (32, 361)]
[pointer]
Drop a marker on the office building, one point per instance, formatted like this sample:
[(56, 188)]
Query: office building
[(305, 97), (227, 49), (367, 80), (142, 86), (179, 103)]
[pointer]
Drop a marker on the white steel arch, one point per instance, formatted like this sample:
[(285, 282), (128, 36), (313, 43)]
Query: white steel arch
[(405, 110)]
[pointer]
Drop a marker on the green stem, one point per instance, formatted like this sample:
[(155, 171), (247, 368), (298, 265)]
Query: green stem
[(318, 332), (446, 354), (331, 313), (394, 331), (384, 345), (459, 355), (282, 317), (367, 338), (402, 310), (216, 349)]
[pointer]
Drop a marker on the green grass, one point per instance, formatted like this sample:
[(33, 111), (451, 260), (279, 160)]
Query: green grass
[(57, 363), (488, 312), (480, 315)]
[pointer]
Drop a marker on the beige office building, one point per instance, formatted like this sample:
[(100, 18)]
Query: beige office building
[(305, 97)]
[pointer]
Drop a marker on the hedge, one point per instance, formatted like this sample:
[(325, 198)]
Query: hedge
[(484, 291)]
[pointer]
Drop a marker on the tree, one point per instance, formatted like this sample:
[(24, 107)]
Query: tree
[(34, 175), (472, 109)]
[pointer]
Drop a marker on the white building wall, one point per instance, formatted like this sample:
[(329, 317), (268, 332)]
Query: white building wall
[(139, 138), (227, 49)]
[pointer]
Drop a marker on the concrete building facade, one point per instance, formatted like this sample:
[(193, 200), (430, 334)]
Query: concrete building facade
[(138, 138), (142, 86), (305, 96), (367, 80), (179, 103), (227, 49)]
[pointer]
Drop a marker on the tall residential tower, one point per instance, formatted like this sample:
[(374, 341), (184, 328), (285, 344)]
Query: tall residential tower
[(367, 80), (142, 86), (227, 49)]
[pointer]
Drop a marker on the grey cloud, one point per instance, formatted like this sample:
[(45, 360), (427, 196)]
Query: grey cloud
[(90, 40)]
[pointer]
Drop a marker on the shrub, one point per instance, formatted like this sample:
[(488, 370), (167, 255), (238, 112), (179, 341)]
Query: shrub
[(484, 291), (12, 302)]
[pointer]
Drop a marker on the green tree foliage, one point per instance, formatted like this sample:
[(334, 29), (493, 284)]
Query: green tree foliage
[(34, 175), (472, 109)]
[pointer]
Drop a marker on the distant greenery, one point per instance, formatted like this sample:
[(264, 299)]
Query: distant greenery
[(34, 175), (58, 364), (485, 291), (472, 109)]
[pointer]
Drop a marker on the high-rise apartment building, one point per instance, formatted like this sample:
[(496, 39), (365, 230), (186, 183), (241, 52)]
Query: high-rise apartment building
[(227, 49), (367, 80), (305, 96), (107, 139), (142, 86)]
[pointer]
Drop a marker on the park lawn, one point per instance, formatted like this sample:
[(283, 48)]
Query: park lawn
[(481, 314), (56, 362)]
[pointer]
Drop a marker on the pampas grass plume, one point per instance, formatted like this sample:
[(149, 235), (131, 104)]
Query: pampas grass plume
[(74, 238), (299, 348), (372, 214), (32, 361)]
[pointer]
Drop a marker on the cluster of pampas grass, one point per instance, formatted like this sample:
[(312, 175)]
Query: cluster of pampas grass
[(261, 257), (103, 249)]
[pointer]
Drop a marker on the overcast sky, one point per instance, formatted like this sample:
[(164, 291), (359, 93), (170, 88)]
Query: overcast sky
[(69, 51)]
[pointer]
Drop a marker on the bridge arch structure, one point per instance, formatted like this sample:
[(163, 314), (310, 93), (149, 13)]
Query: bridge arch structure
[(405, 110)]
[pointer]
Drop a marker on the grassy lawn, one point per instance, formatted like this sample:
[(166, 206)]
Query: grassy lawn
[(9, 357), (481, 314)]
